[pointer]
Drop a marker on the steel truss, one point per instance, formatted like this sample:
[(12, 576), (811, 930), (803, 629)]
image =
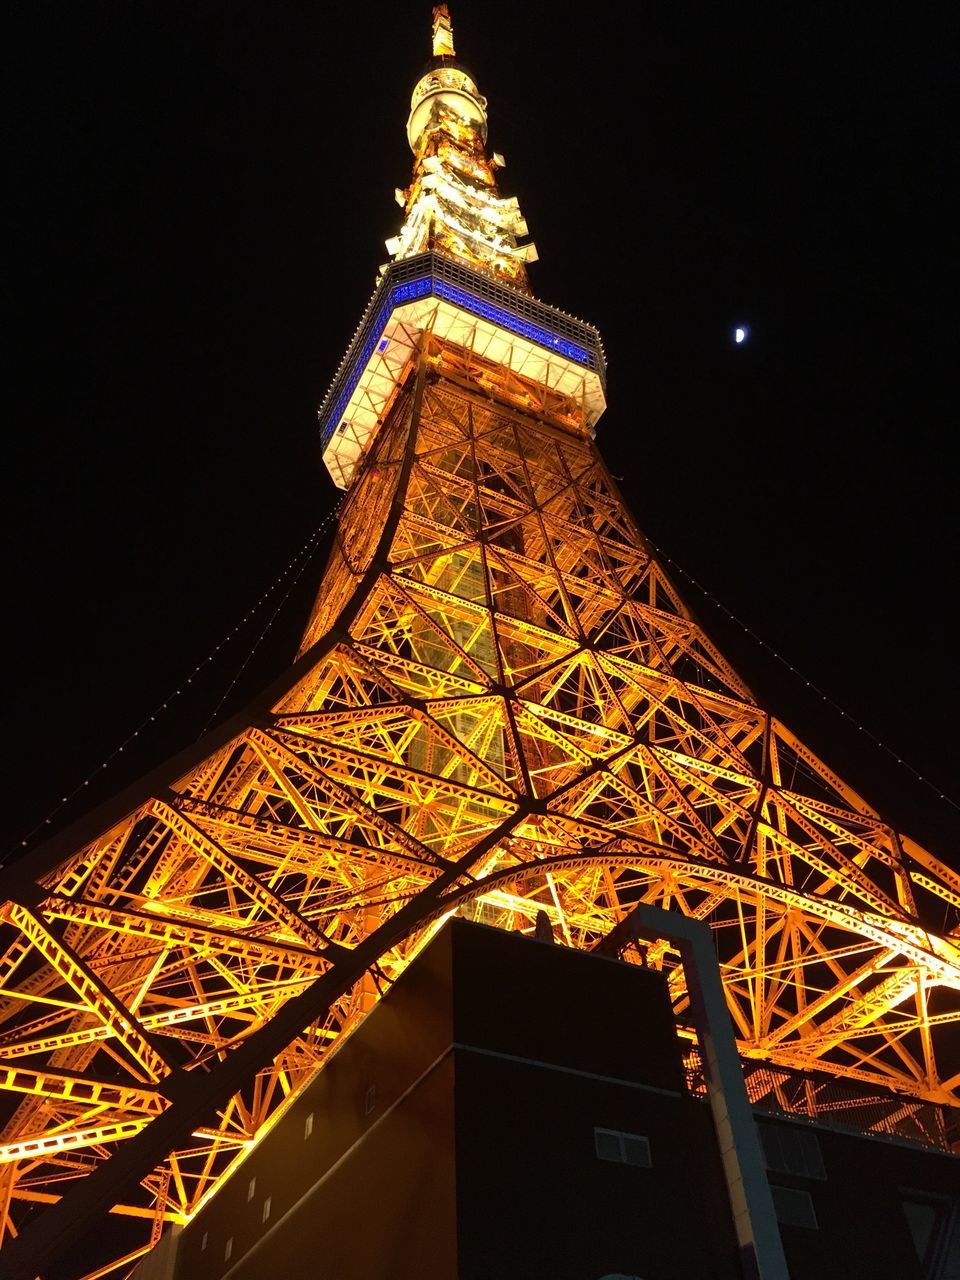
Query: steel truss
[(501, 707)]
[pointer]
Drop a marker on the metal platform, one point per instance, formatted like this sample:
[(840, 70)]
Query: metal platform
[(466, 307)]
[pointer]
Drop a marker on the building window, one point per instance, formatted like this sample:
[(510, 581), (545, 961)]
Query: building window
[(266, 1210), (228, 1250), (622, 1148), (794, 1208), (369, 1099), (251, 1188), (203, 1241), (308, 1126), (791, 1149), (934, 1223)]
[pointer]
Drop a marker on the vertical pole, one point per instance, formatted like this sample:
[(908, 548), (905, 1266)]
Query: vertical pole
[(754, 1218)]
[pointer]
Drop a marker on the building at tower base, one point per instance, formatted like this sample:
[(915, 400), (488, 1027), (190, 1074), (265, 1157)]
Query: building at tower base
[(517, 1109)]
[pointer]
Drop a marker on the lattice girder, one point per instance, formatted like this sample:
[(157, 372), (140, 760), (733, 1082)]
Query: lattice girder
[(501, 707)]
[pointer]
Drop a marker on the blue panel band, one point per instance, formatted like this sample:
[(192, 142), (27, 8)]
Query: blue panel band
[(430, 274)]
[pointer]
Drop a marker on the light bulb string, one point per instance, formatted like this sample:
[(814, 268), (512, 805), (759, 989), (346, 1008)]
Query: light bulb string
[(297, 562), (810, 684), (309, 550)]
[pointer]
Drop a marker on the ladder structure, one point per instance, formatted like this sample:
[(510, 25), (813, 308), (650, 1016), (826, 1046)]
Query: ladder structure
[(501, 708)]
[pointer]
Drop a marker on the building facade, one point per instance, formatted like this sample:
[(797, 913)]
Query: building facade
[(518, 1109)]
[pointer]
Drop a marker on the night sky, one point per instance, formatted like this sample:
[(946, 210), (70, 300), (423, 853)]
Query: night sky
[(200, 195)]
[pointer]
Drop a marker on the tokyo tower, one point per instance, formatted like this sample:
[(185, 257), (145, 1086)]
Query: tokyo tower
[(501, 709)]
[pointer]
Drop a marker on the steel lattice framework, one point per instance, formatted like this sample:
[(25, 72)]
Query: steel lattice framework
[(501, 707)]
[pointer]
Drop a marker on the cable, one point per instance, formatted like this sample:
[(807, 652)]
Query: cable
[(905, 764), (309, 552), (304, 554)]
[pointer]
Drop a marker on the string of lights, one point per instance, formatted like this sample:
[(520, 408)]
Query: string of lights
[(308, 552), (296, 565), (810, 684)]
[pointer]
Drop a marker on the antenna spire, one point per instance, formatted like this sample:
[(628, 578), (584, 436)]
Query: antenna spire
[(442, 32), (452, 207)]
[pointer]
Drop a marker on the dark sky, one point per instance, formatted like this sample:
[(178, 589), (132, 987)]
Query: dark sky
[(201, 192)]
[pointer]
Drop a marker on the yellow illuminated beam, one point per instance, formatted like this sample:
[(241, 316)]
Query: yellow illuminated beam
[(442, 32)]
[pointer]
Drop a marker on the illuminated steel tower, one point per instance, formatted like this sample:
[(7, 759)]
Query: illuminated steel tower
[(501, 707)]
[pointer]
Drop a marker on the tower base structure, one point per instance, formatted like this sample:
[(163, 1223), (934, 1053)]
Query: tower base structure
[(501, 708)]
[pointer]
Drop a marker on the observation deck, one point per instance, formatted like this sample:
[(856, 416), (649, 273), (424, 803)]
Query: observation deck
[(493, 320)]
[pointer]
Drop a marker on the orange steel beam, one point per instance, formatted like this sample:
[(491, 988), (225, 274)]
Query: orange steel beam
[(501, 706)]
